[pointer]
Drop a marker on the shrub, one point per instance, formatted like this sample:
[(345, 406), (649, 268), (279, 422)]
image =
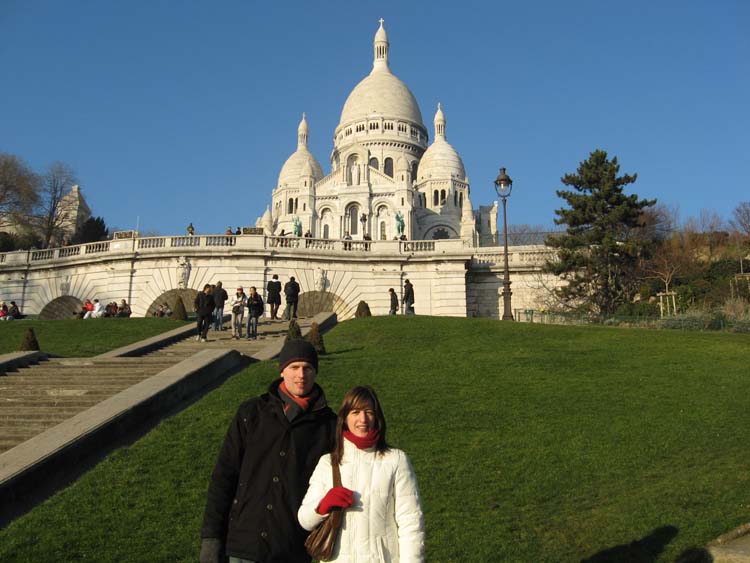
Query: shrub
[(293, 332), (363, 310), (316, 339), (29, 343), (178, 311)]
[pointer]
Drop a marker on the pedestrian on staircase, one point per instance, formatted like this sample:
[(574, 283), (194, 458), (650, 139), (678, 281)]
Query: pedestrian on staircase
[(204, 307), (255, 307), (220, 297), (238, 312)]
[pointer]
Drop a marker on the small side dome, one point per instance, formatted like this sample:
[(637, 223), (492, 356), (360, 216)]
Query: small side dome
[(440, 160), (301, 162)]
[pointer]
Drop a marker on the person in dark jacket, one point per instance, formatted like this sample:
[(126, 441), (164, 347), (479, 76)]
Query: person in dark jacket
[(291, 291), (255, 309), (261, 476), (204, 307), (220, 298), (408, 298), (394, 301), (274, 296)]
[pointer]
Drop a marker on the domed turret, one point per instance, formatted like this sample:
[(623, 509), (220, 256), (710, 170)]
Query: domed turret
[(302, 161), (441, 160), (381, 95)]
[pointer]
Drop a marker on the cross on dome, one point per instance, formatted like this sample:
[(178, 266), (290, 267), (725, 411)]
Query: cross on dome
[(380, 45)]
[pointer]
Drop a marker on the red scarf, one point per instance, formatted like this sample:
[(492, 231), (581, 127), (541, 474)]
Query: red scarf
[(303, 402), (363, 443)]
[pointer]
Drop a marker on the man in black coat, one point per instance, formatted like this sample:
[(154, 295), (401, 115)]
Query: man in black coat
[(291, 290), (270, 451), (274, 296), (220, 298), (204, 308)]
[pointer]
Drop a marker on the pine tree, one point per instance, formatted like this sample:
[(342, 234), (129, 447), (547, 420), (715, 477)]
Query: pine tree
[(363, 310), (293, 332), (598, 254), (316, 339), (29, 343)]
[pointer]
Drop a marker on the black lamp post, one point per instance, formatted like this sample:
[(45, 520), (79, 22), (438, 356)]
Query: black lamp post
[(503, 187), (363, 220)]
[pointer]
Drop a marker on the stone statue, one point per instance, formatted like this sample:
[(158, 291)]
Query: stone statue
[(297, 227), (320, 279), (355, 174), (400, 224), (183, 272)]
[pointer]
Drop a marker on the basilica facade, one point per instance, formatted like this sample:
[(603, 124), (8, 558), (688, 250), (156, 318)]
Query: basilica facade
[(387, 180)]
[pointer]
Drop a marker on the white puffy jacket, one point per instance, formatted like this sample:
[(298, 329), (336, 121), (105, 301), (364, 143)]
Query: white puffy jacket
[(385, 523)]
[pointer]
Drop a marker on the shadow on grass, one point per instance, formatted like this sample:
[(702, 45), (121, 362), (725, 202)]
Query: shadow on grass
[(644, 550), (342, 352)]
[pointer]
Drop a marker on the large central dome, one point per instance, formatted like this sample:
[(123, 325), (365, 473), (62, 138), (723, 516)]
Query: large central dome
[(381, 93)]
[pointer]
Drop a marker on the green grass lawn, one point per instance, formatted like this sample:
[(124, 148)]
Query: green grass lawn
[(531, 443), (76, 338)]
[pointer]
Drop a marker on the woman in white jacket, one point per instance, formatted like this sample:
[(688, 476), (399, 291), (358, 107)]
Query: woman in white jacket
[(382, 518), (238, 312)]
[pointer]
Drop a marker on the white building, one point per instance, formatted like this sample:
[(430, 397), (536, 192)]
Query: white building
[(386, 179)]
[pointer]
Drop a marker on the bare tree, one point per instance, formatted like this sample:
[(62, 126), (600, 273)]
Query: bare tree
[(740, 221), (19, 191), (56, 182)]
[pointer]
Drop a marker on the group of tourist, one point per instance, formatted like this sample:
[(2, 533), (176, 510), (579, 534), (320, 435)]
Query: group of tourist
[(209, 306), (96, 309), (10, 312), (274, 479)]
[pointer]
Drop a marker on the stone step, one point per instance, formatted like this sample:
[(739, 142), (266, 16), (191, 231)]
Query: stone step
[(17, 421), (59, 394), (78, 401), (25, 432), (144, 366), (43, 379), (40, 411)]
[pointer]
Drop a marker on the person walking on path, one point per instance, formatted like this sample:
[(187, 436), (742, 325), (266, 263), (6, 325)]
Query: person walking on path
[(270, 450), (408, 298), (204, 307), (255, 308), (220, 297), (273, 295), (394, 301), (291, 291), (382, 513), (238, 302)]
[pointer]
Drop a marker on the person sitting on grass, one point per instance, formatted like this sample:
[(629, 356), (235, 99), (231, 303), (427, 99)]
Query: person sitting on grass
[(123, 310), (4, 316), (14, 312)]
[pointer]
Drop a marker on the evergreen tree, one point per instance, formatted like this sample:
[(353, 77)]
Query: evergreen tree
[(598, 254), (293, 332), (315, 338), (363, 310), (92, 230), (178, 311), (29, 343)]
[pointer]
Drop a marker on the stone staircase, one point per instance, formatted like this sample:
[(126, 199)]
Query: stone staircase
[(40, 396)]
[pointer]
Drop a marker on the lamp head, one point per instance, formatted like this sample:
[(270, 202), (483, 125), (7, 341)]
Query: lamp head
[(503, 184)]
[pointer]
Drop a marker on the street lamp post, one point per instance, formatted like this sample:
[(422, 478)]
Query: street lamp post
[(503, 187)]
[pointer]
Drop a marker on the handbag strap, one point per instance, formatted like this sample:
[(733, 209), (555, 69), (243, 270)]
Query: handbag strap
[(336, 474), (336, 513)]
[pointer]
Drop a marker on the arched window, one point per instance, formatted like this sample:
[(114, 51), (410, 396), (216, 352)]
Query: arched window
[(461, 200), (442, 197), (353, 220), (388, 167), (455, 198), (374, 163), (326, 231), (382, 230), (440, 233), (414, 168), (435, 198), (290, 208), (295, 204)]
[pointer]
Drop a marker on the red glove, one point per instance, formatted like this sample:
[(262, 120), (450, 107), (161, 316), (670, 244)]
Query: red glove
[(337, 497)]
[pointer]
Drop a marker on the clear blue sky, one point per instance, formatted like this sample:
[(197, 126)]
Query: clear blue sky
[(185, 111)]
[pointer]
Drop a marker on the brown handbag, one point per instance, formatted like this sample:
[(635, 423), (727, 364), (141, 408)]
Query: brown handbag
[(319, 544)]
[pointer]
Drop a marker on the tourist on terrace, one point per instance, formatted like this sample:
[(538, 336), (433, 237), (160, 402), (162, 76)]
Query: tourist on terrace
[(255, 309), (238, 231), (273, 295), (220, 297), (408, 298), (228, 231), (260, 477), (238, 312), (382, 514), (14, 312), (190, 230), (204, 307), (394, 301), (291, 291)]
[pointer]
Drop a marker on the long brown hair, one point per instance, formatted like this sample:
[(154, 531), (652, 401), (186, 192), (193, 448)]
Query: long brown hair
[(359, 397)]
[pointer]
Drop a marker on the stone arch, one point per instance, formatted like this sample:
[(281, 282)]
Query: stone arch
[(313, 302), (170, 298), (438, 232), (64, 307)]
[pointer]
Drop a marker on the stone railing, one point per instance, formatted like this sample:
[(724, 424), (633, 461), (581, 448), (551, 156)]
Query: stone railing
[(518, 256), (251, 243)]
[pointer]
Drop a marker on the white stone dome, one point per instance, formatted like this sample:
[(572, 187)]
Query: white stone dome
[(382, 94), (301, 162), (440, 160)]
